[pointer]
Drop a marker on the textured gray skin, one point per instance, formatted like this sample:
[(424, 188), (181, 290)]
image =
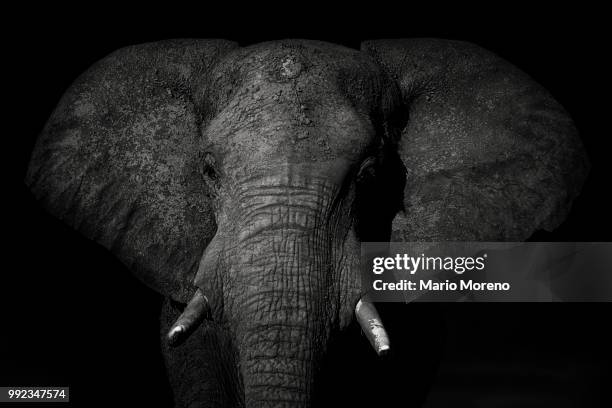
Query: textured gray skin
[(490, 155), (118, 160), (159, 146)]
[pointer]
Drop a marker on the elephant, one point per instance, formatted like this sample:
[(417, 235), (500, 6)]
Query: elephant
[(239, 183)]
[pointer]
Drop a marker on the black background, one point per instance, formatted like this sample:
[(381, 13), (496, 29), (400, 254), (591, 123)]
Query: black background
[(72, 315)]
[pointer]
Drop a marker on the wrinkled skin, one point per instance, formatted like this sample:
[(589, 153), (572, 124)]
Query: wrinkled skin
[(275, 161), (287, 145)]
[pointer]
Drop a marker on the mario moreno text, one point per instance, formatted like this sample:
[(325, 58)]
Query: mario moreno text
[(435, 285), (413, 264)]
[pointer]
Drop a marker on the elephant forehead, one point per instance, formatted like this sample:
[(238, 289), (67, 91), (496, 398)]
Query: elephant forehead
[(307, 65), (306, 101), (291, 66), (325, 131)]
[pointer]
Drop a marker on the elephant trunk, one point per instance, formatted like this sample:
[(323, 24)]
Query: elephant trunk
[(279, 347), (283, 305)]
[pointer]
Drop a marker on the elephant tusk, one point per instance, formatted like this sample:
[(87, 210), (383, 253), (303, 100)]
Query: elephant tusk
[(193, 315), (372, 326)]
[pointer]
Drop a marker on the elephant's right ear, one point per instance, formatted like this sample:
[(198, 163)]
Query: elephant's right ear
[(119, 160), (489, 154)]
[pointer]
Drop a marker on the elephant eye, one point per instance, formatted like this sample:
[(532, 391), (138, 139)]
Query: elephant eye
[(208, 164), (367, 170)]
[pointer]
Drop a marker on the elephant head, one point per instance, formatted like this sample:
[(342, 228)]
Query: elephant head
[(241, 181)]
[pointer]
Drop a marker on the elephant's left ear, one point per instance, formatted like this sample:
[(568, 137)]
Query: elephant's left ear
[(489, 154), (120, 159)]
